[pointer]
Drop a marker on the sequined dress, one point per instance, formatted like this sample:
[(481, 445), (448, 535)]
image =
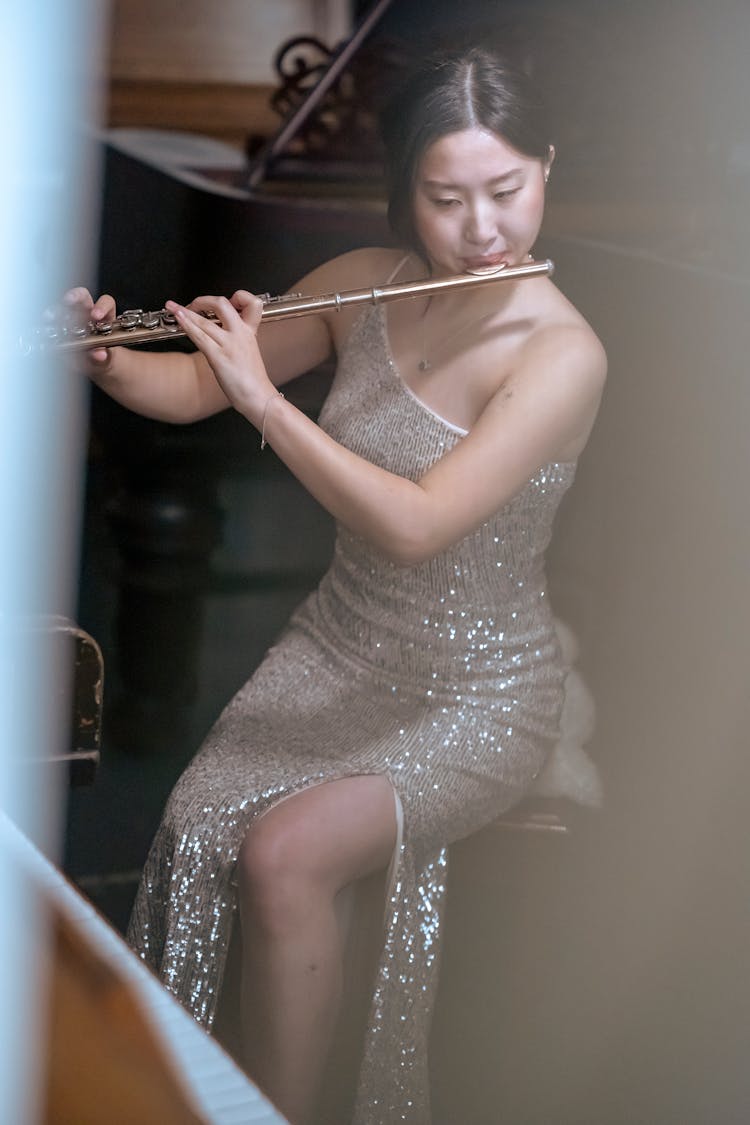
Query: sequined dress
[(446, 676)]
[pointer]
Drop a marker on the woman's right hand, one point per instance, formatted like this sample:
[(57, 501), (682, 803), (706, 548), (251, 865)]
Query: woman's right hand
[(80, 304)]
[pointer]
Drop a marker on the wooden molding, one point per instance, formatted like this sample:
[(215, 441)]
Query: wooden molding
[(228, 111)]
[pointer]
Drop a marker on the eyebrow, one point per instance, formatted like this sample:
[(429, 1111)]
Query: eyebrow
[(495, 180)]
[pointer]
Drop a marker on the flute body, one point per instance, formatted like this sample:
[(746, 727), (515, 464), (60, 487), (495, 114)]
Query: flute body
[(137, 327)]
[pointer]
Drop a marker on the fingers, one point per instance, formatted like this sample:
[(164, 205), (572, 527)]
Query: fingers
[(203, 304), (218, 309), (104, 309), (222, 329), (242, 304), (196, 324), (248, 306), (78, 297), (80, 301)]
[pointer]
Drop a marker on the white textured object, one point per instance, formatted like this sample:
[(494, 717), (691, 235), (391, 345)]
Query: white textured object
[(570, 772)]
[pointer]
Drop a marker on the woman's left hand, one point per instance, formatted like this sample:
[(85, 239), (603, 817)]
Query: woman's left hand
[(230, 346)]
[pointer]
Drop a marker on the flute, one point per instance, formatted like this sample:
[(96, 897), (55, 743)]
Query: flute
[(134, 326)]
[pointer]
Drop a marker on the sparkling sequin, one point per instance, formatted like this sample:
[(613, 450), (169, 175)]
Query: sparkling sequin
[(445, 676)]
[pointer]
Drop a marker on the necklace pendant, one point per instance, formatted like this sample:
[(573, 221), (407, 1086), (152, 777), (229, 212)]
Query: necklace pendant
[(424, 365)]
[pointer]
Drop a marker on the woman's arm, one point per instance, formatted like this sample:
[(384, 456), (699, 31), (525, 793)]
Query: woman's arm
[(168, 386), (542, 413), (179, 387)]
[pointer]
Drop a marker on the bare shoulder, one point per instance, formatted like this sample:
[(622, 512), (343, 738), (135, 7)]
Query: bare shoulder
[(557, 378), (370, 265), (571, 346), (357, 269), (562, 342)]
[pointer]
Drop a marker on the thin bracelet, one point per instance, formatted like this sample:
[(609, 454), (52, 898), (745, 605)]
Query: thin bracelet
[(269, 400)]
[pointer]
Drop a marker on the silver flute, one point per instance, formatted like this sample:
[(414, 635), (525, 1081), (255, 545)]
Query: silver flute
[(134, 326)]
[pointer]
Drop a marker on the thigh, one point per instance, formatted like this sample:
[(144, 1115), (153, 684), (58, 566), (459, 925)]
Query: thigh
[(337, 831)]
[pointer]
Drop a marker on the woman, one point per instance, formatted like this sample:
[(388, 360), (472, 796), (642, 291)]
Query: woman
[(416, 693)]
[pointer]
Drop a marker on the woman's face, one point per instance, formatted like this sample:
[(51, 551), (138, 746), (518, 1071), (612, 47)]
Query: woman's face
[(478, 202)]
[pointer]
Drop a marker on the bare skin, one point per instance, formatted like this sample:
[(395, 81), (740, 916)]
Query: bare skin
[(518, 368), (292, 868)]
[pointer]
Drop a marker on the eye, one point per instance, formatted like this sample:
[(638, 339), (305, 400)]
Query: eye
[(506, 193), (445, 202)]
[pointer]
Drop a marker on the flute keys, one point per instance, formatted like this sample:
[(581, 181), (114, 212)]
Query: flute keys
[(130, 319), (267, 299)]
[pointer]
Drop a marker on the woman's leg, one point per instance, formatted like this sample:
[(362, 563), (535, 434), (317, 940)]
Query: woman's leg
[(294, 863)]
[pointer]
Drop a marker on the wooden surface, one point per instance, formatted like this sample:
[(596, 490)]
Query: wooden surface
[(228, 111), (104, 1063)]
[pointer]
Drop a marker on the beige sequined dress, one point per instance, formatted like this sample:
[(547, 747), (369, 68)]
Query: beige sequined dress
[(445, 676)]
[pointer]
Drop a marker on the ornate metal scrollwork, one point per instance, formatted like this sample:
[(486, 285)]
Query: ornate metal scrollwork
[(333, 129), (344, 125)]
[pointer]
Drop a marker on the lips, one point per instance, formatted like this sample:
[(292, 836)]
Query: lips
[(486, 262)]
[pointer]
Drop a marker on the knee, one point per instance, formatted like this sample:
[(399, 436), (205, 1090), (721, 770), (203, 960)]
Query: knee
[(276, 882)]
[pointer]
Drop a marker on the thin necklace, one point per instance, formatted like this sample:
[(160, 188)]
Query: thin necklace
[(425, 363)]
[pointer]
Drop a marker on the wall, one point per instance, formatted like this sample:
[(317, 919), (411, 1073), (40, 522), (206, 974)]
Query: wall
[(603, 978), (207, 67), (226, 41)]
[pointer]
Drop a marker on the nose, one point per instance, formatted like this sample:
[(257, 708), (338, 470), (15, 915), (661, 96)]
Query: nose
[(479, 228)]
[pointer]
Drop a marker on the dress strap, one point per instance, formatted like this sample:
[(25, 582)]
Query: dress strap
[(395, 272)]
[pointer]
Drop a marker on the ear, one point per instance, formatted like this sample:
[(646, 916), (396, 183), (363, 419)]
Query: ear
[(548, 162)]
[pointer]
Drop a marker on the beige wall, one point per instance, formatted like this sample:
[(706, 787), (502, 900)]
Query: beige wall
[(224, 41), (603, 977), (207, 68), (653, 565)]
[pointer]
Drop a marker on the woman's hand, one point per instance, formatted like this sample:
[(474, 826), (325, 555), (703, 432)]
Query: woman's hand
[(79, 304), (230, 346)]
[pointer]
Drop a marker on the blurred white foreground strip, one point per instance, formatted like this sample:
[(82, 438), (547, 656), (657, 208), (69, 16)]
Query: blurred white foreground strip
[(140, 1046)]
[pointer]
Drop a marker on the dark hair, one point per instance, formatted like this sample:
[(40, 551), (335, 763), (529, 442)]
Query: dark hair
[(475, 88)]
